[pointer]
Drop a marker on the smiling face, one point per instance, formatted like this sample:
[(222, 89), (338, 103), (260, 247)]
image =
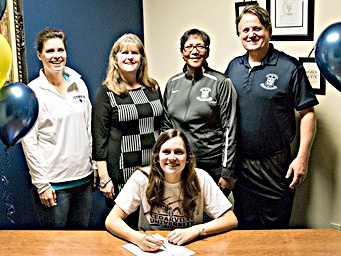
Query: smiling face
[(173, 159), (128, 58), (253, 35), (195, 57), (53, 55)]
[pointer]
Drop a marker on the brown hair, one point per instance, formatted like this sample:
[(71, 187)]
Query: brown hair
[(261, 13), (190, 183), (49, 33)]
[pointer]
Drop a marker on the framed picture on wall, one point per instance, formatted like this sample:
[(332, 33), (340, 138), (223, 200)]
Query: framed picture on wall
[(239, 6), (292, 20), (314, 75), (12, 28)]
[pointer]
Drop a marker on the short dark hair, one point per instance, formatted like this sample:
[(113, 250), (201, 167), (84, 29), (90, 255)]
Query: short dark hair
[(204, 36), (262, 14), (49, 33)]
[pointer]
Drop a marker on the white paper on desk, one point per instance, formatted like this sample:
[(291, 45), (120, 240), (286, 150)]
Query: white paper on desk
[(172, 249)]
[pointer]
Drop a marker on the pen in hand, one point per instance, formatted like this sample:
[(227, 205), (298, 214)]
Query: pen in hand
[(145, 231)]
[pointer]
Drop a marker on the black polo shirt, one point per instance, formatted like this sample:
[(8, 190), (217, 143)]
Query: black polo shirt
[(268, 94)]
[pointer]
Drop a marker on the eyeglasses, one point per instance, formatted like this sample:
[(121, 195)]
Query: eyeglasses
[(199, 48)]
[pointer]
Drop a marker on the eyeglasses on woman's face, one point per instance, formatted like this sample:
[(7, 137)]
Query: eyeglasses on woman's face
[(199, 48)]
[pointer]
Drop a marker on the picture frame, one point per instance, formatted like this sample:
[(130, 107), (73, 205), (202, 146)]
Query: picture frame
[(315, 77), (239, 6), (292, 20), (12, 28)]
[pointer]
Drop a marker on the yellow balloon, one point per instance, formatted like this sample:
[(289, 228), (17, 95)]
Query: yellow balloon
[(5, 60)]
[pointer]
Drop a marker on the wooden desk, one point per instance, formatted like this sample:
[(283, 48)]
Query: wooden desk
[(237, 242)]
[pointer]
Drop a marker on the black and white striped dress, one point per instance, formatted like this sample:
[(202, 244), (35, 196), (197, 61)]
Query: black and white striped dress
[(125, 129)]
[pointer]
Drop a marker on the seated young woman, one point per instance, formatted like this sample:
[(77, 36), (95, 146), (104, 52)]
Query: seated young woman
[(172, 195)]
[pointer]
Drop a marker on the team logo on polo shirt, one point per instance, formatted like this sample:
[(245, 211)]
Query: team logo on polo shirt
[(270, 82), (205, 94)]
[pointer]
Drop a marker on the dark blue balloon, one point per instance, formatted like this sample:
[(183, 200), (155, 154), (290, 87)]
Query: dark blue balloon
[(2, 7), (18, 112), (328, 54)]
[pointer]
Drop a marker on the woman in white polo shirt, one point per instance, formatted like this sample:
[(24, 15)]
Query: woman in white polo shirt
[(58, 148)]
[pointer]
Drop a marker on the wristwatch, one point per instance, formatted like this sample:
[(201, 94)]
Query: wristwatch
[(103, 183)]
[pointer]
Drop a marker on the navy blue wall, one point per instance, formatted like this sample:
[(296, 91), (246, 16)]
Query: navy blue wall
[(91, 28)]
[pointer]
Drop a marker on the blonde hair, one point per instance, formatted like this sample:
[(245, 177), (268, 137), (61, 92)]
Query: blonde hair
[(113, 79)]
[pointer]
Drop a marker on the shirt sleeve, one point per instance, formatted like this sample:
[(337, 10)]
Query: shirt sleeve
[(304, 96), (167, 123), (227, 102), (129, 198), (33, 157), (87, 113), (215, 202), (100, 125)]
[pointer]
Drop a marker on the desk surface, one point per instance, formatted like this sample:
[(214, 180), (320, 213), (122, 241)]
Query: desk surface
[(236, 242)]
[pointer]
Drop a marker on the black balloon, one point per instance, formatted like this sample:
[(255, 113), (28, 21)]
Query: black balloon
[(2, 7), (18, 112), (328, 54)]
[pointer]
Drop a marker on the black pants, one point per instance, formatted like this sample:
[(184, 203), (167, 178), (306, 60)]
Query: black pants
[(255, 211), (263, 199)]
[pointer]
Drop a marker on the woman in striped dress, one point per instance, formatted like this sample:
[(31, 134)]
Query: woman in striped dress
[(127, 114)]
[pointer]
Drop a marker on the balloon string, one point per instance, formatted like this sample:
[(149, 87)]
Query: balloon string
[(311, 51), (6, 197)]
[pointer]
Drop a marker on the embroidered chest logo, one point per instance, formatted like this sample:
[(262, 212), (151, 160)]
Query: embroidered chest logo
[(79, 98), (270, 82), (205, 94)]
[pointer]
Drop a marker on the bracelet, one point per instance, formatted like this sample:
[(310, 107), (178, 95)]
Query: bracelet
[(201, 232), (102, 184)]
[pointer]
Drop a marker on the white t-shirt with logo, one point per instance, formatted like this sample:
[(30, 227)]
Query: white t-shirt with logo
[(213, 202)]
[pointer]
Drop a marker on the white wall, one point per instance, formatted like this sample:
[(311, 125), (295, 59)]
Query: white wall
[(318, 200)]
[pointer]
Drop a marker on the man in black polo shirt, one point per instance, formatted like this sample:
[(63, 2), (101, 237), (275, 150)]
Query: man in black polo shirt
[(271, 85)]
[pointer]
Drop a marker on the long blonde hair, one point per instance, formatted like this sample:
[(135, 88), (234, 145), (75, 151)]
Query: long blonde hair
[(114, 80)]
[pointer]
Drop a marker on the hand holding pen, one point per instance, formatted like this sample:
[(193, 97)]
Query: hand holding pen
[(150, 243)]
